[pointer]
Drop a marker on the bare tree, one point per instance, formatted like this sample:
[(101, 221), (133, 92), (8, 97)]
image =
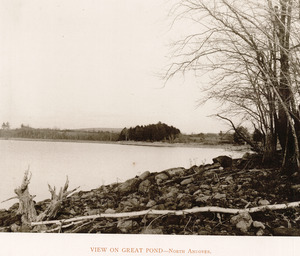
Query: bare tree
[(251, 48)]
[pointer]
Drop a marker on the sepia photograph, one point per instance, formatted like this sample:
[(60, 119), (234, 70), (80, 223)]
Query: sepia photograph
[(141, 127)]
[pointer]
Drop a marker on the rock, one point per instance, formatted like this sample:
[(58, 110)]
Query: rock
[(286, 231), (173, 192), (296, 187), (153, 231), (186, 181), (224, 161), (223, 187), (26, 228), (175, 171), (203, 232), (202, 199), (185, 202), (144, 186), (263, 202), (144, 175), (191, 188), (204, 186), (180, 196), (206, 192), (15, 228), (215, 189), (212, 166), (110, 211), (242, 221), (150, 204), (125, 226), (258, 224), (260, 232), (92, 211), (72, 212), (199, 191), (161, 176), (229, 179), (219, 196), (4, 229), (159, 207), (129, 186), (130, 204), (87, 195), (242, 226)]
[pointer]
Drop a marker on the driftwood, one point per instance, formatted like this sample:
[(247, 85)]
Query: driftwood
[(26, 204), (56, 201), (171, 212)]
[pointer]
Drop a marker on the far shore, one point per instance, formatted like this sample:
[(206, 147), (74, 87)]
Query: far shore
[(143, 143)]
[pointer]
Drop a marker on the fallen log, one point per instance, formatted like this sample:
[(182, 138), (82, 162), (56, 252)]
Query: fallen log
[(172, 212)]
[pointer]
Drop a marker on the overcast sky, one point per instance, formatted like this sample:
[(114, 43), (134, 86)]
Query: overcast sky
[(94, 63)]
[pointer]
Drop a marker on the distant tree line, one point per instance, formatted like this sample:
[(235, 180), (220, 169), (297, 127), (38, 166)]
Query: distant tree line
[(151, 132), (27, 132)]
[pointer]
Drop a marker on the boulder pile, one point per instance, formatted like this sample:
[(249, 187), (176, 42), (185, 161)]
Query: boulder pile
[(227, 183)]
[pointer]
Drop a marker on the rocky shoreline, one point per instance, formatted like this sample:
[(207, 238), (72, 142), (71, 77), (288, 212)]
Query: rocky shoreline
[(227, 183)]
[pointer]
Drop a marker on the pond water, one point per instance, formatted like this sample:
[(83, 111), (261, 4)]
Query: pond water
[(88, 165)]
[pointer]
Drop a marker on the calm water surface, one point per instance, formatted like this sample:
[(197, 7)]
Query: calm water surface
[(88, 165)]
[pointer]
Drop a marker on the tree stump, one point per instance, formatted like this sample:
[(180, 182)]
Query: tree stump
[(26, 204), (56, 201)]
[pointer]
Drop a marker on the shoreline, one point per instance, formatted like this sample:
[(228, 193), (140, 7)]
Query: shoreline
[(142, 143), (226, 188)]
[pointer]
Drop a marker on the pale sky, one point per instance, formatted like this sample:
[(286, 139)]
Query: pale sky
[(94, 63)]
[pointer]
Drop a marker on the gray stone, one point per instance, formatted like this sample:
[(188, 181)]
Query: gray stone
[(260, 232), (203, 233), (204, 186), (229, 179), (15, 228), (282, 231), (92, 211), (180, 196), (172, 193), (206, 192), (87, 195), (150, 204), (202, 199), (175, 171), (219, 196), (126, 226), (154, 231), (144, 187), (197, 192), (243, 226), (72, 212), (242, 221), (129, 186), (258, 224), (144, 175), (296, 187), (186, 181), (109, 211), (263, 202), (212, 166), (162, 176), (4, 229)]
